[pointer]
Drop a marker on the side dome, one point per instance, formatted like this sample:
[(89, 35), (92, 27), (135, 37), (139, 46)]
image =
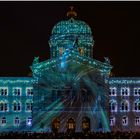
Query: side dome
[(64, 34)]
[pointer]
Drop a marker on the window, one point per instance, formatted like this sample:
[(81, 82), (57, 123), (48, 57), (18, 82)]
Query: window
[(112, 121), (85, 123), (113, 106), (29, 106), (16, 106), (3, 91), (137, 120), (113, 91), (3, 121), (29, 121), (61, 50), (81, 51), (3, 106), (124, 121), (137, 106), (125, 91), (125, 106), (17, 91), (29, 91), (16, 121), (136, 91)]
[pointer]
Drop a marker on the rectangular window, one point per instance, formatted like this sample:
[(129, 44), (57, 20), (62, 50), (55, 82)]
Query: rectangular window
[(29, 121), (16, 121), (17, 91), (16, 106), (113, 91), (136, 91), (3, 91), (29, 91), (3, 121), (125, 121), (112, 121), (137, 121), (125, 91), (29, 106), (3, 106)]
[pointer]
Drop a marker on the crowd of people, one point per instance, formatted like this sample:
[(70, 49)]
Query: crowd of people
[(82, 135)]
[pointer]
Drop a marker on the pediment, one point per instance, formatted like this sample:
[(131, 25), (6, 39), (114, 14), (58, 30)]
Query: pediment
[(70, 61)]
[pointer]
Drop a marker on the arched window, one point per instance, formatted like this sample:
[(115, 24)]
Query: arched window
[(81, 51), (3, 121), (71, 125), (4, 106), (1, 106), (125, 106), (113, 105), (16, 106), (61, 50), (55, 124), (29, 105), (137, 106), (16, 121), (85, 123)]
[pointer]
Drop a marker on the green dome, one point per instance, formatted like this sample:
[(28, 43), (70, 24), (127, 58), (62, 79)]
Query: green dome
[(71, 26)]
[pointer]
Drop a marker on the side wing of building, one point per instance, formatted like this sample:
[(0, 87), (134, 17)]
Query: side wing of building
[(16, 101), (124, 103)]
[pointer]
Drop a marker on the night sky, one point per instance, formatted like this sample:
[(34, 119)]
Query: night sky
[(25, 28)]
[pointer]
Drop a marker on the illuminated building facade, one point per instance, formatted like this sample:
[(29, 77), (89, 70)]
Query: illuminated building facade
[(124, 103), (71, 91)]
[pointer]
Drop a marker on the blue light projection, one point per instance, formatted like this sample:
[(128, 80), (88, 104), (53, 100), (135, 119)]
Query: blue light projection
[(69, 92), (69, 86)]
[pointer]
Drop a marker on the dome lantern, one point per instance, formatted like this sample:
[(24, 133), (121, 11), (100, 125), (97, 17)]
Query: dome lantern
[(71, 13)]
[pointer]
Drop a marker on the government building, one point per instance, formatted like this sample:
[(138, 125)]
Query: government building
[(71, 91)]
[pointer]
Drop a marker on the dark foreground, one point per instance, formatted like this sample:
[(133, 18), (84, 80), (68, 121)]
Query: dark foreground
[(90, 135)]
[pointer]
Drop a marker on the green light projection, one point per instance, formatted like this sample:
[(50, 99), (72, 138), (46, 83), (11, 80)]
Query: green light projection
[(70, 83), (69, 91), (64, 34)]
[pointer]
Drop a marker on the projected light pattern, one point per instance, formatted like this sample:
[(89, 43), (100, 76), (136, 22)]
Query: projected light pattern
[(64, 34), (15, 100), (65, 93), (68, 86), (68, 91)]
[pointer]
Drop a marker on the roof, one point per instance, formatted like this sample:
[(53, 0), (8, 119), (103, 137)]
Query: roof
[(71, 26)]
